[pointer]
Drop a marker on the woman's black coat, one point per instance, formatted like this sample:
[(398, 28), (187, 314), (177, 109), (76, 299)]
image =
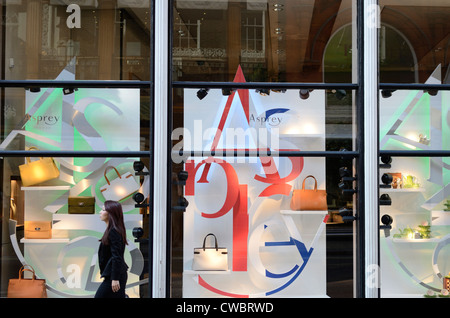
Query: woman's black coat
[(111, 261)]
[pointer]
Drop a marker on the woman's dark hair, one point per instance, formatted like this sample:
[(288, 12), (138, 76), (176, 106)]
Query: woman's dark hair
[(115, 221)]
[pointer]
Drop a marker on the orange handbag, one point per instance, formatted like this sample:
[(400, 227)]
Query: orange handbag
[(309, 199), (27, 288)]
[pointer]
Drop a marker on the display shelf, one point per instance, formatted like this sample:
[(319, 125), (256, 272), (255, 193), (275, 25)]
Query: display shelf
[(44, 241), (45, 188), (192, 272), (405, 190), (416, 241), (316, 212)]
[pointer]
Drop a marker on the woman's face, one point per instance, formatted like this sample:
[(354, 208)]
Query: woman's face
[(104, 215)]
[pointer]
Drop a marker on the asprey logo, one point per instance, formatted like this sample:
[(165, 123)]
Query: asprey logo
[(48, 120), (271, 117)]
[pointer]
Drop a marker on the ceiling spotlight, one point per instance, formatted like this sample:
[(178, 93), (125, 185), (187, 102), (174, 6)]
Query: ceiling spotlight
[(227, 91), (278, 90), (263, 91), (386, 93), (34, 89), (69, 90), (304, 93), (431, 92), (202, 93)]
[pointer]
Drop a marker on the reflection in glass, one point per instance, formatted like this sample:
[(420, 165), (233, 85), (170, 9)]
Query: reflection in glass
[(288, 41), (414, 40)]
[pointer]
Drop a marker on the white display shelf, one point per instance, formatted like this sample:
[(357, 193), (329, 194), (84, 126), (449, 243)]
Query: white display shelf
[(416, 241), (44, 241), (316, 212), (192, 272), (406, 190), (45, 188)]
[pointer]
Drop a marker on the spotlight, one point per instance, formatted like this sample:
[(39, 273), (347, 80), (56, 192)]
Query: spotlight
[(278, 90), (387, 180), (33, 89), (304, 93), (227, 91), (202, 93), (182, 177), (182, 204), (137, 233), (386, 161), (347, 215), (263, 91), (139, 198), (69, 90), (431, 92), (387, 221), (386, 93), (138, 167), (385, 199)]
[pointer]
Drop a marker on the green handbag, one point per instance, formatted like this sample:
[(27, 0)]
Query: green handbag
[(81, 205)]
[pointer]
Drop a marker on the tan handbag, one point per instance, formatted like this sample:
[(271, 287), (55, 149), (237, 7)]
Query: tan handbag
[(38, 230), (81, 205), (35, 172), (210, 258), (309, 199), (27, 288)]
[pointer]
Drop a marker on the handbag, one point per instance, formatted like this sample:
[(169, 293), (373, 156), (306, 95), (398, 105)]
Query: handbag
[(38, 230), (119, 188), (35, 172), (210, 258), (81, 205), (309, 199), (26, 288)]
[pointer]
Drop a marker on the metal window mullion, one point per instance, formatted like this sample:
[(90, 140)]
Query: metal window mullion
[(371, 146), (160, 179)]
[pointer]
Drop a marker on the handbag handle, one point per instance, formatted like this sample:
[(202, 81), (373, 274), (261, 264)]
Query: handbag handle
[(315, 182), (215, 238), (116, 172), (23, 269), (31, 148)]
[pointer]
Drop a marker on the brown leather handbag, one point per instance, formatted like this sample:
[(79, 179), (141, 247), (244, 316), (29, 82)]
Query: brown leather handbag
[(309, 199), (27, 288)]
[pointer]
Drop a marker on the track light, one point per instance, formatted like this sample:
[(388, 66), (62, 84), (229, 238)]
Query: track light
[(278, 90), (202, 93), (138, 167), (304, 93), (263, 91), (139, 198), (69, 90), (386, 161)]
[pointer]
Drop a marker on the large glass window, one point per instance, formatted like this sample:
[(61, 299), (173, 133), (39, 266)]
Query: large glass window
[(273, 41), (414, 146), (76, 112), (246, 149)]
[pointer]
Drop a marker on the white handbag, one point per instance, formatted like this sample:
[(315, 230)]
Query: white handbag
[(210, 258), (119, 188)]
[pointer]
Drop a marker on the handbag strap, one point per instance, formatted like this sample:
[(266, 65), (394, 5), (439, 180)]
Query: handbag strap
[(106, 170), (23, 269), (215, 238), (31, 148), (315, 182)]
